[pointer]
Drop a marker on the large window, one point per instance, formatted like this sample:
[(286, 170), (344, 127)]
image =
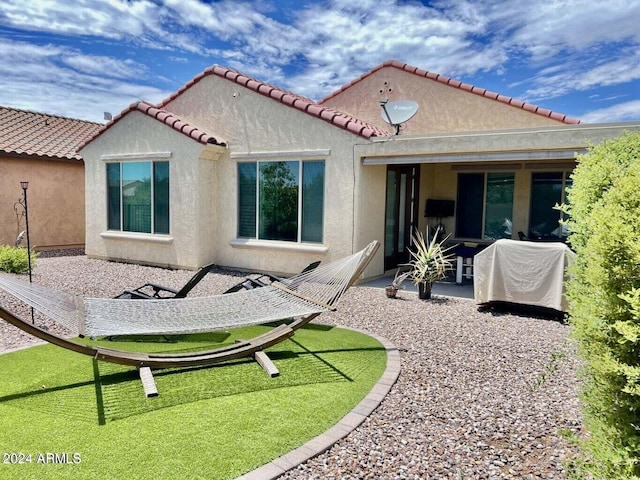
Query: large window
[(281, 200), (547, 190), (138, 197), (485, 205)]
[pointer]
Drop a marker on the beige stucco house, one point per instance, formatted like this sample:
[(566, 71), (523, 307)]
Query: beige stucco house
[(41, 149), (241, 173)]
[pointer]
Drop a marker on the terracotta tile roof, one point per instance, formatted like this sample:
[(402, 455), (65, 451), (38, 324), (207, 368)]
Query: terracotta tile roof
[(23, 132), (163, 116), (339, 119), (463, 86)]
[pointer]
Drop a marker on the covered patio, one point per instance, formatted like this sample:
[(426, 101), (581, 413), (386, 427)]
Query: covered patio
[(495, 184)]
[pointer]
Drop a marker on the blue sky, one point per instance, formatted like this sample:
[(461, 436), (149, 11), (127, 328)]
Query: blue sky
[(80, 58)]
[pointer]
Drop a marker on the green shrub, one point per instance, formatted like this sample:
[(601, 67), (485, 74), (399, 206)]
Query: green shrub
[(604, 294), (15, 259)]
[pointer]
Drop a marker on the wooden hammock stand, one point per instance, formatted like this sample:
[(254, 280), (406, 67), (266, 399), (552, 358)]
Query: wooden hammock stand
[(145, 361)]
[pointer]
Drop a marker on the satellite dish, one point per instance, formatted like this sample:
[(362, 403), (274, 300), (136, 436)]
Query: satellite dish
[(398, 112)]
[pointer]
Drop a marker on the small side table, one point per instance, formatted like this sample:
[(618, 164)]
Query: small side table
[(464, 262)]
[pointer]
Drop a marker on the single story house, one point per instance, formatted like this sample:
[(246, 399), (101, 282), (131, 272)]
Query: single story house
[(238, 172), (42, 149)]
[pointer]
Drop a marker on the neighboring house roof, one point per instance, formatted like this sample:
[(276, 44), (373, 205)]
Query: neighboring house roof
[(462, 86), (334, 117), (23, 132), (162, 116)]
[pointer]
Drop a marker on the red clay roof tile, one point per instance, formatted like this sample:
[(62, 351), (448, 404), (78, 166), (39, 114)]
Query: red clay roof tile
[(288, 98), (162, 116), (457, 84), (314, 109), (351, 124), (23, 132)]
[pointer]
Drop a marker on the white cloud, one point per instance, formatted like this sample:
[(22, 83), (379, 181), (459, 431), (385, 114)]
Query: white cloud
[(314, 47), (39, 78), (543, 28), (570, 77), (105, 66), (617, 113), (345, 39), (95, 18), (224, 18), (140, 22)]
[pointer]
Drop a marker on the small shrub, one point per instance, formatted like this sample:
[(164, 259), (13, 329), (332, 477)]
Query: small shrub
[(604, 302), (16, 259)]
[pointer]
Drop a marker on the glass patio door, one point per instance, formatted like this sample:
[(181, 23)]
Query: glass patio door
[(401, 213)]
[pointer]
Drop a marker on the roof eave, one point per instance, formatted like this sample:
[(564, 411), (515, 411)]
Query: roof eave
[(39, 156), (162, 116)]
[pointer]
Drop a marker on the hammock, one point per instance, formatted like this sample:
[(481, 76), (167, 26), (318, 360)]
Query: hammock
[(308, 293), (302, 298)]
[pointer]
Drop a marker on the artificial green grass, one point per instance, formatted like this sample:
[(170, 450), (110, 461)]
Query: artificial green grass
[(215, 423)]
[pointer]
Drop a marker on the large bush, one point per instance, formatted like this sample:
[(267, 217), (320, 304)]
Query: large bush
[(604, 294), (15, 259)]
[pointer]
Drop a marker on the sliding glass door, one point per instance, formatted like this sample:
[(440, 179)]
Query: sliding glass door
[(401, 212)]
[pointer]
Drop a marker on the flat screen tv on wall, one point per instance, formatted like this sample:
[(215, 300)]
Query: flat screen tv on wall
[(439, 208)]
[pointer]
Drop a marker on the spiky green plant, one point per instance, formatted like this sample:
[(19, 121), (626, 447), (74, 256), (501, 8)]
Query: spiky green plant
[(430, 261)]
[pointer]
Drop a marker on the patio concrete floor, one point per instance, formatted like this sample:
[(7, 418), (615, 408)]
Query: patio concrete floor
[(445, 288)]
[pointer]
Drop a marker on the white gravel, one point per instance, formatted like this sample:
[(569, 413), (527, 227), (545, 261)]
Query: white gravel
[(480, 395)]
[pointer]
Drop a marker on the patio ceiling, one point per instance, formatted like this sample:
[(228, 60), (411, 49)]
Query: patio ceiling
[(510, 156)]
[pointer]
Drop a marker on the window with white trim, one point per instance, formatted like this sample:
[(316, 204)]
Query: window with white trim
[(281, 200), (138, 197)]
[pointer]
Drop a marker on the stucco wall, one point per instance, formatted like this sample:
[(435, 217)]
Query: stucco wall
[(443, 108), (140, 136), (55, 200), (438, 182), (260, 128), (204, 194), (370, 212)]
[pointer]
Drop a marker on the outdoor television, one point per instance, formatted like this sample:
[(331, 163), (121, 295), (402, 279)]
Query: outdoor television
[(439, 208)]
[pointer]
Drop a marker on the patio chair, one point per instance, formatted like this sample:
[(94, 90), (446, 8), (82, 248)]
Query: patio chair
[(155, 291), (250, 283)]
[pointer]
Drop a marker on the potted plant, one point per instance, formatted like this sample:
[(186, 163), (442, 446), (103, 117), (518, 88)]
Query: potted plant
[(392, 289), (429, 262)]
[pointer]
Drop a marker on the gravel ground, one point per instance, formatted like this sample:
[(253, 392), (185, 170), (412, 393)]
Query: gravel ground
[(481, 395)]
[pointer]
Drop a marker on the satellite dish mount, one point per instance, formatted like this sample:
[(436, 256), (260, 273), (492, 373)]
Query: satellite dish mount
[(398, 112)]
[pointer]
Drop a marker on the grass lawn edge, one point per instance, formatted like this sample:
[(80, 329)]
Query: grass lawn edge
[(344, 427)]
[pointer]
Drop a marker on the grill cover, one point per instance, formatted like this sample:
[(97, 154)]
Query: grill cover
[(528, 273)]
